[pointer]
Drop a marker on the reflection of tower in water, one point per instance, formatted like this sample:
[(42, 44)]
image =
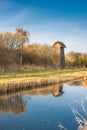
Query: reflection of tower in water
[(57, 90)]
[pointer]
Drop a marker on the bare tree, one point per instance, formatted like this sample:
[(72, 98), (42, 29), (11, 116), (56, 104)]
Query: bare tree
[(21, 38)]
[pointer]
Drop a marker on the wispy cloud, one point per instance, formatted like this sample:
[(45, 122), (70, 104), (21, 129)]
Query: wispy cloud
[(72, 34), (13, 22), (15, 18)]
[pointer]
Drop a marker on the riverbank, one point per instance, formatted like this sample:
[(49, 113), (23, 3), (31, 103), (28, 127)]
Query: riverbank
[(23, 80)]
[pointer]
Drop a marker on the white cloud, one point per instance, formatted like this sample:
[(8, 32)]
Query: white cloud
[(71, 34), (13, 22), (13, 19)]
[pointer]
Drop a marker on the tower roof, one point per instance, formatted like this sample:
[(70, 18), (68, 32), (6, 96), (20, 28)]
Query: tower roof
[(61, 44)]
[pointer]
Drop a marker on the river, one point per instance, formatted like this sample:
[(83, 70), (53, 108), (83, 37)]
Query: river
[(61, 106)]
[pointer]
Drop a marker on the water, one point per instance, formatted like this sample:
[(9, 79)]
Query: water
[(51, 108)]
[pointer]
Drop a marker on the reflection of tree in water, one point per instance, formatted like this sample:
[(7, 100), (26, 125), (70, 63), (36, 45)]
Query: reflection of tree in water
[(74, 83), (84, 82), (15, 104), (55, 90)]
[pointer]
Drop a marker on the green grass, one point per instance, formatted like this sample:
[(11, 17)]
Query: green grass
[(12, 81), (40, 74)]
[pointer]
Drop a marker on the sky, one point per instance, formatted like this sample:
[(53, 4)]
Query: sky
[(48, 21)]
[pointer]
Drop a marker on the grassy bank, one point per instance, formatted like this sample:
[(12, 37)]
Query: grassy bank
[(21, 80)]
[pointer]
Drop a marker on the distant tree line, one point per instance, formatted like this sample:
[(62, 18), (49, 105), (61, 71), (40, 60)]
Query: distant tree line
[(75, 59), (16, 53)]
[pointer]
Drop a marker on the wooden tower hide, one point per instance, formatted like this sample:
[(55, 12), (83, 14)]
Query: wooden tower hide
[(59, 50)]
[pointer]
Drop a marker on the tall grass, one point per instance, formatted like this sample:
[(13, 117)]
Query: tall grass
[(21, 80), (80, 115)]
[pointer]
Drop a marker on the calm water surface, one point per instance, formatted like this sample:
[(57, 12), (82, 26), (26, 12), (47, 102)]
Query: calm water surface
[(51, 108)]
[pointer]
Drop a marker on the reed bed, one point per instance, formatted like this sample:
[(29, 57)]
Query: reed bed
[(17, 81)]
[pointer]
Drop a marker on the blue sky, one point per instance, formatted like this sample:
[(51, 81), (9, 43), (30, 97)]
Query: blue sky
[(48, 21)]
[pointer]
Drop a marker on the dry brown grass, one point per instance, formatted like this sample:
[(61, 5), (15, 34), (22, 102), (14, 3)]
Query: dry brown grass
[(11, 82)]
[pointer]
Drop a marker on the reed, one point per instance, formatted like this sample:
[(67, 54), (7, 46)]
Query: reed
[(16, 81)]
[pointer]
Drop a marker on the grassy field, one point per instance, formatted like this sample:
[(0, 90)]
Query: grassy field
[(10, 81), (41, 74)]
